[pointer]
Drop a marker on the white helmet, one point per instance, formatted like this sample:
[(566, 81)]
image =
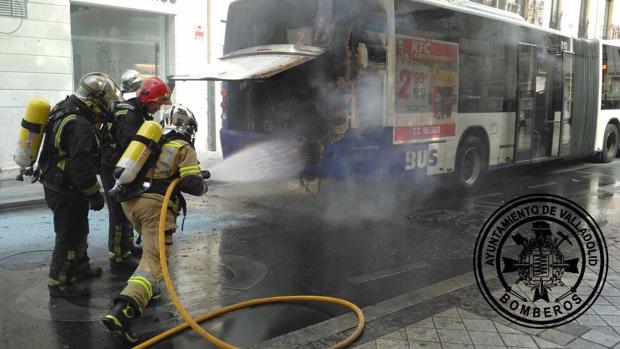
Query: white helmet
[(99, 92), (179, 119), (131, 80)]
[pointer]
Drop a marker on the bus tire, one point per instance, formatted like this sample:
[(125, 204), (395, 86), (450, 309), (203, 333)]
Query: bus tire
[(610, 144), (472, 164)]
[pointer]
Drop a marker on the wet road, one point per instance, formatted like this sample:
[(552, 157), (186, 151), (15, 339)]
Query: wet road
[(246, 241)]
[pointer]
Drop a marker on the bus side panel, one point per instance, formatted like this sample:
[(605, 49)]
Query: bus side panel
[(499, 127)]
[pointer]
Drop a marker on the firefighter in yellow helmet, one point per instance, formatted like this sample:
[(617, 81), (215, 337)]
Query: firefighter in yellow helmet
[(69, 163), (177, 158)]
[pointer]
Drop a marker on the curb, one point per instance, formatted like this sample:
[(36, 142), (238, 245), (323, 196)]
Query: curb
[(33, 203), (347, 321)]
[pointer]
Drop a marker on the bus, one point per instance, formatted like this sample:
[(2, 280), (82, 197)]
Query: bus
[(395, 89)]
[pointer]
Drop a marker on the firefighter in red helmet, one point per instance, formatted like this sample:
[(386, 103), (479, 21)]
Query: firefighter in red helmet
[(126, 120)]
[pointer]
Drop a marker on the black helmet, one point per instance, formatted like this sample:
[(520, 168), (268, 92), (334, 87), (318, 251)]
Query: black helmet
[(99, 92)]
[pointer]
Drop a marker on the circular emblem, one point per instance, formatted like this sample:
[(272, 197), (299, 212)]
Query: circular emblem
[(540, 261)]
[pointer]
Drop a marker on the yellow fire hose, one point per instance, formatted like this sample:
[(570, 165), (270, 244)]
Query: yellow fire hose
[(190, 322)]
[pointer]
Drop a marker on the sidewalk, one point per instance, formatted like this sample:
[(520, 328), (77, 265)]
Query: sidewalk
[(19, 195), (453, 314)]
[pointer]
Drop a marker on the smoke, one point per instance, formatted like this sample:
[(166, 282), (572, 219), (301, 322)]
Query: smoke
[(269, 161)]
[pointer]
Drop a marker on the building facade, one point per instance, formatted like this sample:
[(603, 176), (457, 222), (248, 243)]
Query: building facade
[(47, 45)]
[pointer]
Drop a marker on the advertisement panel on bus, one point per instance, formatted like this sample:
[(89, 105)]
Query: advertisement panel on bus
[(427, 89)]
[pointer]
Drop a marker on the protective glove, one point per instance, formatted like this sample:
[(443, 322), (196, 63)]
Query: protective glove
[(96, 201)]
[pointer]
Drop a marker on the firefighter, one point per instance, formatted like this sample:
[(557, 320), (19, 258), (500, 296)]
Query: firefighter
[(120, 130), (69, 162), (131, 80), (177, 158)]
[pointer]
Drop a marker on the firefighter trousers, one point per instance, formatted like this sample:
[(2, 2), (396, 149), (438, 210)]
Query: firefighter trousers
[(120, 231), (71, 228), (143, 214)]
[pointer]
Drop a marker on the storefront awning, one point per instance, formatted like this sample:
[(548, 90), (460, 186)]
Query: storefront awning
[(259, 62)]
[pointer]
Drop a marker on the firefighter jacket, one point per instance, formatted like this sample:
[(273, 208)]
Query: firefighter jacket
[(120, 129), (70, 155), (177, 158)]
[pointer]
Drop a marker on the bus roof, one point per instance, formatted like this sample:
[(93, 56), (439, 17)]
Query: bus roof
[(469, 7)]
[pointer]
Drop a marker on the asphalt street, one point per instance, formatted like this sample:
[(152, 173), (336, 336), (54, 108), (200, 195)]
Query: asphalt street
[(367, 243)]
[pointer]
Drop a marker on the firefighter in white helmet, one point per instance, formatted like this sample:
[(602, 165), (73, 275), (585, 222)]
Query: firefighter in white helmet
[(177, 159)]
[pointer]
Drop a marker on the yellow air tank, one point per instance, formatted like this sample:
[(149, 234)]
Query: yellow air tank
[(31, 132), (137, 153)]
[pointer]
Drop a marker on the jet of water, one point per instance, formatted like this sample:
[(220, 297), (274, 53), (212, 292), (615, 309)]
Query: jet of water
[(261, 162)]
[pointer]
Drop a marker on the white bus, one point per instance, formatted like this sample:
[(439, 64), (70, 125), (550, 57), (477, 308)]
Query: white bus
[(397, 88)]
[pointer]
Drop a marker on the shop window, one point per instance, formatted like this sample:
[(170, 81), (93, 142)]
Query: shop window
[(113, 40)]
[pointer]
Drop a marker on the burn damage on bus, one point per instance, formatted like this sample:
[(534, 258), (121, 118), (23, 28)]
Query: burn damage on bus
[(312, 101)]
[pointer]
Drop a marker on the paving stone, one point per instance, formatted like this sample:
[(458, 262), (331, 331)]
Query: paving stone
[(601, 338), (485, 338), (449, 323), (453, 336), (367, 345), (449, 313), (605, 329), (611, 320), (591, 320), (456, 346), (479, 325), (556, 336), (545, 343), (602, 301), (605, 309), (518, 340), (397, 335), (490, 347), (422, 334), (584, 344), (426, 323), (610, 291), (424, 345), (573, 328), (468, 315), (504, 329), (613, 300), (391, 344)]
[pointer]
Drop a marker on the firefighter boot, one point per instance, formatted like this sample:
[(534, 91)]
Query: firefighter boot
[(87, 271), (68, 291), (126, 265), (118, 318)]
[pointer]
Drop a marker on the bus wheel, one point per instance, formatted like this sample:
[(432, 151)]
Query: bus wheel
[(471, 164), (610, 143)]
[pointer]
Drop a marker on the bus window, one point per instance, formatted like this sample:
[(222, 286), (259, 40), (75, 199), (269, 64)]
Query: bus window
[(610, 97), (484, 84)]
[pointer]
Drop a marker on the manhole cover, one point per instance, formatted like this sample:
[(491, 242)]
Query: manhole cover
[(26, 261)]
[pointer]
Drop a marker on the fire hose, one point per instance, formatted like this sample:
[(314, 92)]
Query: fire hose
[(194, 323)]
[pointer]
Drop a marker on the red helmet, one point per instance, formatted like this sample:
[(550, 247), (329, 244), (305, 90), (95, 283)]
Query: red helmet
[(153, 90)]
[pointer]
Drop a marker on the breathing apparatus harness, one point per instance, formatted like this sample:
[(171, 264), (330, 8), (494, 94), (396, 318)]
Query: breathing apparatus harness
[(53, 158), (142, 185)]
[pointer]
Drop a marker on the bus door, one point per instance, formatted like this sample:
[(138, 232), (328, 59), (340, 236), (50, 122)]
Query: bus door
[(539, 109), (568, 89), (526, 102)]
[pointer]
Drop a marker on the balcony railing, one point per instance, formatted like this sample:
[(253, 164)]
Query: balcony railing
[(611, 32)]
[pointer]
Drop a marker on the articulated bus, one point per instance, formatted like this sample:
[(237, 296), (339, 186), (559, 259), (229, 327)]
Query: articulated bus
[(398, 88)]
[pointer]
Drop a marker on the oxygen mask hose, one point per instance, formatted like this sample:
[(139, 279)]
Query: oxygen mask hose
[(193, 323)]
